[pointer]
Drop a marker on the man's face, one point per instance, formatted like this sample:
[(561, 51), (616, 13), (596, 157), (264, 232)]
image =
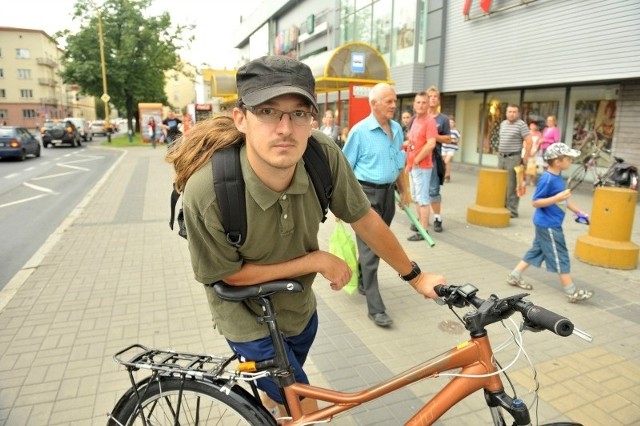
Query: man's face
[(384, 108), (512, 113), (276, 145), (434, 99), (420, 104), (406, 118)]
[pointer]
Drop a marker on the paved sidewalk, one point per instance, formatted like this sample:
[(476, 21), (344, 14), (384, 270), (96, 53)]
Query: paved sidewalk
[(114, 274)]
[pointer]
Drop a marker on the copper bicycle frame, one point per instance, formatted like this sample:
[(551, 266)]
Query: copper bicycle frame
[(474, 357)]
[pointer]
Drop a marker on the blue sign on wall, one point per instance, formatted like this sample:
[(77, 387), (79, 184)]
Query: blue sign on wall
[(357, 62)]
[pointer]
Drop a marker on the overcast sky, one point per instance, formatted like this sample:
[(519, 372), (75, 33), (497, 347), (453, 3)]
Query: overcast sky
[(214, 30)]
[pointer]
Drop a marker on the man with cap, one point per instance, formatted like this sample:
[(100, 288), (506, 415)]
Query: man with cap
[(272, 121)]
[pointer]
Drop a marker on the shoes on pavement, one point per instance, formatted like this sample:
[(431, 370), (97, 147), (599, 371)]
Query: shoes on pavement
[(579, 295), (518, 282), (447, 179), (416, 237), (381, 319), (361, 291), (413, 228), (513, 215), (437, 225)]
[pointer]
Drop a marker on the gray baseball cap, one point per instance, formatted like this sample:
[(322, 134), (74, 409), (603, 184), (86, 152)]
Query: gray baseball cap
[(560, 149), (271, 76)]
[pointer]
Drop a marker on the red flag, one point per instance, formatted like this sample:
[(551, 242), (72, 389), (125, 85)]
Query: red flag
[(466, 7), (485, 5)]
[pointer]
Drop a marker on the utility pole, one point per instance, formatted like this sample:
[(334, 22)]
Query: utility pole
[(105, 97)]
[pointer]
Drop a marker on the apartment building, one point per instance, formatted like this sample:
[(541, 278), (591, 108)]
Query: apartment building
[(30, 88)]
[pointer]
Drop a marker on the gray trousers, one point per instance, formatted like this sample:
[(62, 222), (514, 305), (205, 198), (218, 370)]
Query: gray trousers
[(508, 163), (383, 202)]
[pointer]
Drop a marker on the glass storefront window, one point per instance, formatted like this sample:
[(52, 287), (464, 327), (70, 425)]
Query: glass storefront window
[(494, 112), (362, 30), (592, 116), (403, 36), (388, 25), (382, 27)]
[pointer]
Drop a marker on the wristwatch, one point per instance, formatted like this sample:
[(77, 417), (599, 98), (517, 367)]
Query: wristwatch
[(415, 271)]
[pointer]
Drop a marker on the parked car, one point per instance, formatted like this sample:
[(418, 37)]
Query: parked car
[(98, 127), (83, 127), (64, 132), (18, 142)]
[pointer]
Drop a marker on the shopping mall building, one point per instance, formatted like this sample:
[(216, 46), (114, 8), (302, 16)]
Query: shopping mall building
[(577, 60)]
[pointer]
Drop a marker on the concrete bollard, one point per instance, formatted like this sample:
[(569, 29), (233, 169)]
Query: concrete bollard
[(489, 209), (608, 242)]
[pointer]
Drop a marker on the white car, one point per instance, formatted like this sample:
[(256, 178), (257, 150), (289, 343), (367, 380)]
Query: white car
[(83, 128)]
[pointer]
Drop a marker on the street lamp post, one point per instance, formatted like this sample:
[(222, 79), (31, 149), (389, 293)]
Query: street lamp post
[(105, 97)]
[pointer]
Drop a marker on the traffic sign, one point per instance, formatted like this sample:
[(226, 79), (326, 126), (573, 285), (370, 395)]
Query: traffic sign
[(105, 98)]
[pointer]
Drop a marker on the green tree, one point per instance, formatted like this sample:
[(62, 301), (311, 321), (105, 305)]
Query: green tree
[(138, 49)]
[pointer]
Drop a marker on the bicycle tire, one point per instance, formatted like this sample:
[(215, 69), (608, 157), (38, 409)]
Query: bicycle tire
[(203, 403), (576, 178)]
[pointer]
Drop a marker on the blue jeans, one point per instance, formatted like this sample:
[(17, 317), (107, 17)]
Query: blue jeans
[(297, 348)]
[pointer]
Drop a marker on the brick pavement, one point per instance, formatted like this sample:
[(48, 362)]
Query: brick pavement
[(113, 274)]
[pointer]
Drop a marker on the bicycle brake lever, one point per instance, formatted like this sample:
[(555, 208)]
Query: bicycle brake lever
[(529, 326)]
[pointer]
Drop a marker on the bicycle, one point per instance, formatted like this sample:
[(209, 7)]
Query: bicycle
[(601, 176), (188, 388)]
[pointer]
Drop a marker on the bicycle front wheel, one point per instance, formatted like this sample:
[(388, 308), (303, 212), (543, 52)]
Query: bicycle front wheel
[(174, 401), (576, 178)]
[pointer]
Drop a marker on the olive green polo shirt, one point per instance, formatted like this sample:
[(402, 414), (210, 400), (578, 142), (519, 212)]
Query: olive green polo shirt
[(280, 226)]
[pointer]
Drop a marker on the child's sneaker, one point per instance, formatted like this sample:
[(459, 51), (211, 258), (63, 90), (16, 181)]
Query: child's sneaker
[(518, 282), (579, 295)]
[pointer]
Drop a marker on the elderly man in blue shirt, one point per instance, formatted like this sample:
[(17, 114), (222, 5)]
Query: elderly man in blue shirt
[(374, 150)]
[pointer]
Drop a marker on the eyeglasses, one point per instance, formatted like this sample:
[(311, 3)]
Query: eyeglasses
[(273, 116)]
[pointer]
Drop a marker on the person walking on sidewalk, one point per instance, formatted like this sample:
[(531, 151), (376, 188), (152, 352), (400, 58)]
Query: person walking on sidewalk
[(272, 124), (374, 151), (449, 149), (420, 146), (151, 131), (514, 135), (551, 199), (437, 175)]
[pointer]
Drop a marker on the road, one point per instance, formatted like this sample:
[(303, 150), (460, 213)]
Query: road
[(38, 194)]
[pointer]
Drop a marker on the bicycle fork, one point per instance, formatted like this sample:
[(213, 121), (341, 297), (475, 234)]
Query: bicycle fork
[(516, 407)]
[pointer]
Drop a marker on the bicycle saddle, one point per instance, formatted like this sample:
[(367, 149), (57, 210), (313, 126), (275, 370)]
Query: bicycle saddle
[(232, 293)]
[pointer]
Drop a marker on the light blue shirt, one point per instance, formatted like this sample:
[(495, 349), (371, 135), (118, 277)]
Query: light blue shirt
[(373, 157)]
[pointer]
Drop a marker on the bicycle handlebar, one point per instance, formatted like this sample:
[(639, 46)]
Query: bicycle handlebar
[(495, 309)]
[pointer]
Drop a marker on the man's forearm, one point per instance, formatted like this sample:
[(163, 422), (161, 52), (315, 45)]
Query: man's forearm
[(251, 274)]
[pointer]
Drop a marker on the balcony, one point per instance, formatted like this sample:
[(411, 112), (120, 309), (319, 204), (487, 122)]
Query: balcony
[(47, 82), (47, 62), (48, 101)]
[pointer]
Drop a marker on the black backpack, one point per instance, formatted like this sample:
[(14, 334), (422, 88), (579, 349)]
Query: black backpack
[(229, 186)]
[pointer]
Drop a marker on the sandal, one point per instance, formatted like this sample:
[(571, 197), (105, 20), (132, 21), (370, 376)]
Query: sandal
[(518, 282)]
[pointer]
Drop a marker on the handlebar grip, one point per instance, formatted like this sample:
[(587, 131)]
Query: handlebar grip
[(549, 320), (441, 290)]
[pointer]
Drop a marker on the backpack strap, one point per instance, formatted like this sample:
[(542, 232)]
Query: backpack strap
[(317, 166), (229, 186)]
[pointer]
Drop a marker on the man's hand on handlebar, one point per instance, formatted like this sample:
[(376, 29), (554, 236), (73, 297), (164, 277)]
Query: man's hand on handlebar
[(425, 282)]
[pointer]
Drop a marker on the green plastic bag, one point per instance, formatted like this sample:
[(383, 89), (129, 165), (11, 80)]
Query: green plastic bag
[(342, 245)]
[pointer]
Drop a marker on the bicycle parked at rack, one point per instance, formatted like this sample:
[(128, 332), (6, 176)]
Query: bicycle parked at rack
[(618, 173), (185, 389)]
